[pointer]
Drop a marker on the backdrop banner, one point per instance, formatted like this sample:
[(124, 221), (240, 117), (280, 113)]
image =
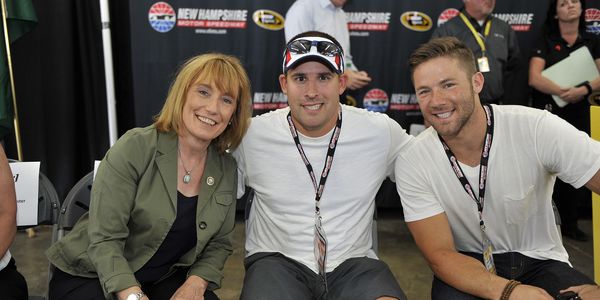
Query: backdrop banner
[(383, 33)]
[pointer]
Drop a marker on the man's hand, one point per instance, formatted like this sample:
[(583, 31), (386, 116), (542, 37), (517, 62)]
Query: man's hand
[(357, 79), (192, 289), (586, 291)]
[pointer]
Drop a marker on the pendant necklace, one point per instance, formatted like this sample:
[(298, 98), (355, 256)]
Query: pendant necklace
[(187, 177)]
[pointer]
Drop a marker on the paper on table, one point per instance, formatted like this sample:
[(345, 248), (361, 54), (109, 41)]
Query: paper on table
[(571, 71)]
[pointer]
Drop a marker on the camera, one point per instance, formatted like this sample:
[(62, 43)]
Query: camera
[(567, 296)]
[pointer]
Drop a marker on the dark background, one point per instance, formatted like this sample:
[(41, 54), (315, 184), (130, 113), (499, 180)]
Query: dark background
[(59, 73)]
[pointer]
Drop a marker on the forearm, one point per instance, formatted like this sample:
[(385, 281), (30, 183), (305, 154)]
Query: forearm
[(8, 205), (468, 275), (544, 85), (7, 232)]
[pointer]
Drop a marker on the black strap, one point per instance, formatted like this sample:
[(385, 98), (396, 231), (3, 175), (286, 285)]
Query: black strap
[(487, 144), (328, 161)]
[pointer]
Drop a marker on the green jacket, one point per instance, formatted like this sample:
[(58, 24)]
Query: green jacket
[(133, 206)]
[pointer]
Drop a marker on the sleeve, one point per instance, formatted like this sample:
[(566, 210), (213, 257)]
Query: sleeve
[(595, 46), (399, 139), (565, 151), (514, 52), (211, 261), (238, 154), (112, 200), (417, 196), (298, 19), (439, 32), (539, 48)]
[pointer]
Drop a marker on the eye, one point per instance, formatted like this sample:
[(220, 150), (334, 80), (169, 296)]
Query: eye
[(228, 100), (324, 77), (203, 92), (422, 92), (448, 85), (300, 78)]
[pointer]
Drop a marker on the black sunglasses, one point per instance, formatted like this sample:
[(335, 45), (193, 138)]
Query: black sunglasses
[(323, 47)]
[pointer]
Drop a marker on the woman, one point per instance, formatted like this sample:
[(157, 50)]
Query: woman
[(564, 32), (163, 200)]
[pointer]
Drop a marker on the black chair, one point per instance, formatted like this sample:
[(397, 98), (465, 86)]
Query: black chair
[(75, 205)]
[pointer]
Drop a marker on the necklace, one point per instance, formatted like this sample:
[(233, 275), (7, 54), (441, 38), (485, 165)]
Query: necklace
[(188, 174)]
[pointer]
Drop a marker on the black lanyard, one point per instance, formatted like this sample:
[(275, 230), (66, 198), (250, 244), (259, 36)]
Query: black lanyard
[(328, 161), (487, 144)]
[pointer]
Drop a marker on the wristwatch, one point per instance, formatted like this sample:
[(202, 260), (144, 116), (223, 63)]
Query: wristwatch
[(135, 296)]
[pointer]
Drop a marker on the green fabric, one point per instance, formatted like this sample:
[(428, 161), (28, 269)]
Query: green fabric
[(21, 18)]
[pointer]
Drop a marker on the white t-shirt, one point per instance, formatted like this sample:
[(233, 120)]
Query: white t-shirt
[(319, 15), (530, 149), (282, 218)]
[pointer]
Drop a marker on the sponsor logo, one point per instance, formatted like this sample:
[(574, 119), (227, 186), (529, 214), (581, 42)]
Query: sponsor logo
[(376, 100), (592, 20), (446, 15), (161, 17), (518, 21), (416, 20), (368, 21), (268, 19), (211, 18), (269, 101), (404, 102)]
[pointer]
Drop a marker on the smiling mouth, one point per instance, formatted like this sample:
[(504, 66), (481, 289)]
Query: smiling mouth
[(444, 115), (206, 120), (313, 107)]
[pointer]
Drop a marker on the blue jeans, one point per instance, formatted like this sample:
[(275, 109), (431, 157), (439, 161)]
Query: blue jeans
[(550, 275)]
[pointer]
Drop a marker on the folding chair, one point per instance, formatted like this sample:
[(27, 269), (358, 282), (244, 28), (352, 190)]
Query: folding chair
[(75, 205)]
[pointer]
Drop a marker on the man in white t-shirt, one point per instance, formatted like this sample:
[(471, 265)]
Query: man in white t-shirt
[(12, 283), (329, 17), (315, 168), (476, 187)]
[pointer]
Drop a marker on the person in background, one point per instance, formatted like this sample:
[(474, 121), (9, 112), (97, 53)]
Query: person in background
[(309, 229), (476, 187), (12, 284), (163, 201), (492, 40), (563, 33), (329, 17)]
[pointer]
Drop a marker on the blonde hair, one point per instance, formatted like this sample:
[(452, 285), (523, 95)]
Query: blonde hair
[(228, 75), (443, 47)]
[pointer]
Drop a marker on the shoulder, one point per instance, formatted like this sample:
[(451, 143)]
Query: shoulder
[(137, 137), (300, 6)]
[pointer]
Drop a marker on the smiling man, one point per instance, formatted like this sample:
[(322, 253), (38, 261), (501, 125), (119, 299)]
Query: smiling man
[(476, 187), (316, 167)]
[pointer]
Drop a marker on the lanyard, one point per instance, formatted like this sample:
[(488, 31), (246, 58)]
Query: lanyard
[(328, 161), (489, 115), (476, 34)]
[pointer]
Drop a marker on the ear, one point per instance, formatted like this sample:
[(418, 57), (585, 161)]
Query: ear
[(477, 82), (343, 79), (283, 83)]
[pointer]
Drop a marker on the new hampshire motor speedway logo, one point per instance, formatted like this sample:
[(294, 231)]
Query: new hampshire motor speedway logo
[(376, 100), (446, 15), (592, 20), (161, 17)]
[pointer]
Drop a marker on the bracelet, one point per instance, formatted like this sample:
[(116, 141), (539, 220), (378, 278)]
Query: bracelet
[(587, 86), (510, 286)]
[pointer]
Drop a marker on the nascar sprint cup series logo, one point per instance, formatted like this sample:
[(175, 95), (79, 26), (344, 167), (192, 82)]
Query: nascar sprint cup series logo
[(416, 20), (268, 19), (161, 17)]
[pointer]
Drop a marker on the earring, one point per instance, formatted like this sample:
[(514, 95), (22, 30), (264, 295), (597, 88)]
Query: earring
[(228, 124)]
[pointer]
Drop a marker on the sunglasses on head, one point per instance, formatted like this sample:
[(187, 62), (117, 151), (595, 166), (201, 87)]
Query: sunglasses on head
[(323, 47)]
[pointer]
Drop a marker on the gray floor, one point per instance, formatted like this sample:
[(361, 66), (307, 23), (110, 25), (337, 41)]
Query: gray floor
[(396, 248)]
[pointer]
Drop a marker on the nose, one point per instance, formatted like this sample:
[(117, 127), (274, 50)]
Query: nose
[(212, 105), (312, 90), (436, 98)]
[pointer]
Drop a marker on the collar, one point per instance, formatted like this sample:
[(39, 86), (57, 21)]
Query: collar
[(474, 21), (327, 4)]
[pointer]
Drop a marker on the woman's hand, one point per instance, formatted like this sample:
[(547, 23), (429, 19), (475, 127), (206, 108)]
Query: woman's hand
[(192, 289), (574, 94)]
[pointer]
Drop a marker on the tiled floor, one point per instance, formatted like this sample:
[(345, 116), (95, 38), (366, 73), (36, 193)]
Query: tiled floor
[(396, 248)]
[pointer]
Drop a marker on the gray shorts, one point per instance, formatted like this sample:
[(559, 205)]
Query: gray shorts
[(275, 276)]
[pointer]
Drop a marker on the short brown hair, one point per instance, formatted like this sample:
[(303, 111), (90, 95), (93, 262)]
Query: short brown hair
[(228, 75), (442, 47)]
